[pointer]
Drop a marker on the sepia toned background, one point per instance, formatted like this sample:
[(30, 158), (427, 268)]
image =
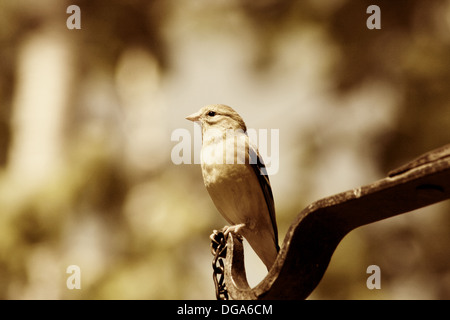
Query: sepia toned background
[(86, 117)]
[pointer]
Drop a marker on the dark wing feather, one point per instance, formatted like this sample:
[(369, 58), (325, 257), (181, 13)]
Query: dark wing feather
[(258, 166)]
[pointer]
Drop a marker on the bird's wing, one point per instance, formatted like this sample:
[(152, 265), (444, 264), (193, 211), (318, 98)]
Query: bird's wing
[(258, 166)]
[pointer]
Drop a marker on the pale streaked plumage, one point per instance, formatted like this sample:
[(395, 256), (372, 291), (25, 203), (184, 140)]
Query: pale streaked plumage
[(239, 190)]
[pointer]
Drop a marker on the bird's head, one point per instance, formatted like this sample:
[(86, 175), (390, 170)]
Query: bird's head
[(218, 116)]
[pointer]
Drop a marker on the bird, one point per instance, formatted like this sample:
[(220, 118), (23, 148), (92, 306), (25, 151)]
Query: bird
[(236, 179)]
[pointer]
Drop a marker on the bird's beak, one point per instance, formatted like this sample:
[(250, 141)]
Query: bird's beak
[(194, 117)]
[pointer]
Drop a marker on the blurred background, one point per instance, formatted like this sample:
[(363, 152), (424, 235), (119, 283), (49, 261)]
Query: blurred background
[(86, 116)]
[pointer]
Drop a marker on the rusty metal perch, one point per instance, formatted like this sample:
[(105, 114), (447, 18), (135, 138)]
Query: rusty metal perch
[(318, 229)]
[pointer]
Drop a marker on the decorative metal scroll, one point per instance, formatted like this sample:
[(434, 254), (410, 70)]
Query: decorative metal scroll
[(318, 229)]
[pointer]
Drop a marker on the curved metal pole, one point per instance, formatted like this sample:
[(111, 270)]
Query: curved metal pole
[(318, 229)]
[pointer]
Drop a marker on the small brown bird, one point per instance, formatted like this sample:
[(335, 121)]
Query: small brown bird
[(236, 179)]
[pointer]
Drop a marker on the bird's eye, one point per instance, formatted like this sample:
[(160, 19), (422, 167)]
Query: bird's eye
[(211, 113)]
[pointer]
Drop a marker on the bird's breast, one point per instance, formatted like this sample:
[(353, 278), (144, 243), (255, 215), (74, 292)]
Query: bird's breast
[(235, 191), (224, 159)]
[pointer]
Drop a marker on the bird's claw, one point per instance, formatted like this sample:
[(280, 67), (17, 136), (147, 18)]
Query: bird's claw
[(234, 229)]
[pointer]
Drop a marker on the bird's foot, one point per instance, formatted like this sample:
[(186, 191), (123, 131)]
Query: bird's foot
[(235, 229)]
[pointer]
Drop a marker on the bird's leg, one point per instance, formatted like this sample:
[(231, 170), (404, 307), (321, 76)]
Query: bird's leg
[(235, 229)]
